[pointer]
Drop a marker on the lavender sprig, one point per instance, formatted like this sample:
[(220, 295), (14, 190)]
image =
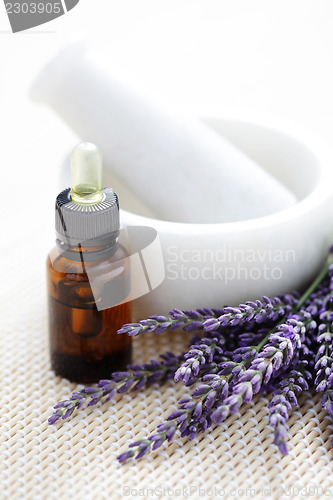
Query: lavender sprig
[(135, 378), (236, 383), (187, 320), (199, 357), (164, 432), (191, 417), (293, 381), (188, 418), (211, 401), (277, 352), (261, 311), (246, 349), (250, 338), (324, 357), (250, 371)]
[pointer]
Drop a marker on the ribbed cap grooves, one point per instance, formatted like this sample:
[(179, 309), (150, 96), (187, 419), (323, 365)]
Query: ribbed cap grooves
[(82, 221)]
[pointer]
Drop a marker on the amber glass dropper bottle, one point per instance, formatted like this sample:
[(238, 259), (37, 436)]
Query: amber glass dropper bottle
[(84, 315)]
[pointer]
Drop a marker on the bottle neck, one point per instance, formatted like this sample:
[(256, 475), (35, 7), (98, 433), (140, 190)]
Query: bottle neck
[(89, 250)]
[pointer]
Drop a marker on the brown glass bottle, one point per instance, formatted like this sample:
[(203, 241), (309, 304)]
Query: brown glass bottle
[(84, 344), (88, 277)]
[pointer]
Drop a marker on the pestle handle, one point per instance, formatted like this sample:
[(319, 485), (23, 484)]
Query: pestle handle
[(183, 170)]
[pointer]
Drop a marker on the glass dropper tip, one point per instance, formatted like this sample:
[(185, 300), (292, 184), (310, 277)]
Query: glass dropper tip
[(87, 172)]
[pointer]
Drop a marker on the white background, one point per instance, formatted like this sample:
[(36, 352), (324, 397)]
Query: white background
[(206, 57)]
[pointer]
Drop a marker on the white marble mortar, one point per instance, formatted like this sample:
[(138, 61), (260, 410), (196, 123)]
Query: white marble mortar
[(210, 265)]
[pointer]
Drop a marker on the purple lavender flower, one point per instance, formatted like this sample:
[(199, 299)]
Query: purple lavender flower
[(189, 413), (261, 311), (324, 356), (278, 420), (136, 377), (199, 357), (164, 432), (275, 351), (294, 380), (192, 416), (252, 337), (247, 349), (187, 320)]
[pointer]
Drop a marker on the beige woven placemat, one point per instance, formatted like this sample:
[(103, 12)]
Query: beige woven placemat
[(76, 459)]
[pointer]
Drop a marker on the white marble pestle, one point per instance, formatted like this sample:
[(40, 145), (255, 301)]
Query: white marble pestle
[(182, 169)]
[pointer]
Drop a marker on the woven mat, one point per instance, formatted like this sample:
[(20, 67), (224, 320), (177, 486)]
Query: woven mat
[(76, 459)]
